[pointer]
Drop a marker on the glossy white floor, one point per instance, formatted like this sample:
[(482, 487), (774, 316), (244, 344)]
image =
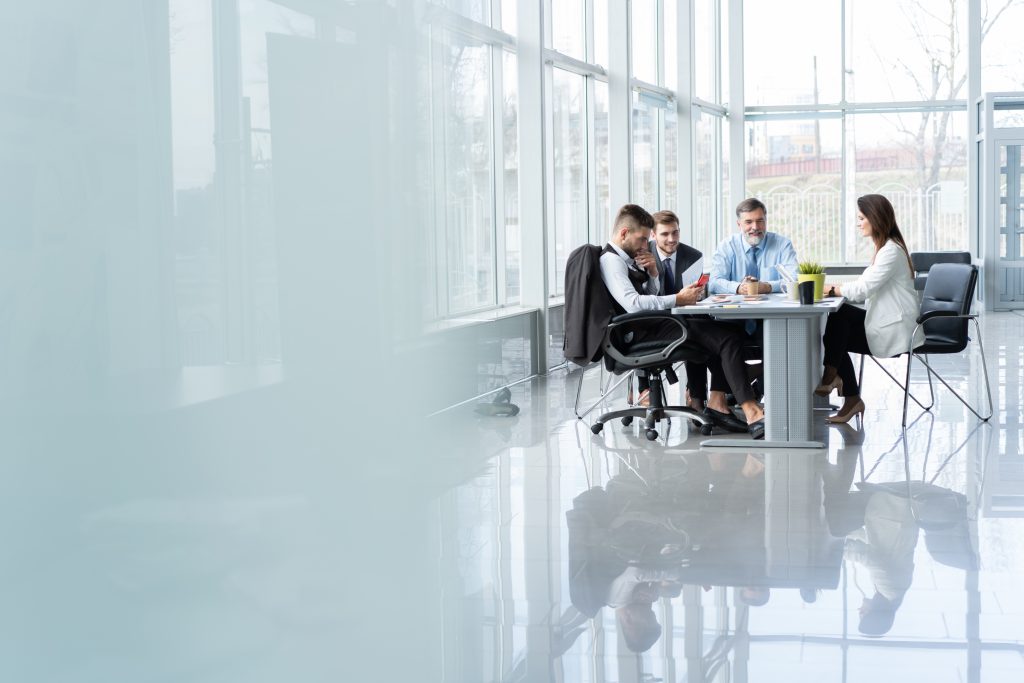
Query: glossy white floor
[(890, 555)]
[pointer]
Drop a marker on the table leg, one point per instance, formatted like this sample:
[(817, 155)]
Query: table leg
[(789, 366)]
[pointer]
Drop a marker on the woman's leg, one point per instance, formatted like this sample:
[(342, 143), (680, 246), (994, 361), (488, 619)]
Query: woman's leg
[(844, 332)]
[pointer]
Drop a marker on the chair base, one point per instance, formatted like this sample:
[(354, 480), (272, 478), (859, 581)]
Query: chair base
[(651, 416)]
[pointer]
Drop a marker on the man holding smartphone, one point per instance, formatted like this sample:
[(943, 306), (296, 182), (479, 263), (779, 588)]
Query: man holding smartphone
[(630, 274)]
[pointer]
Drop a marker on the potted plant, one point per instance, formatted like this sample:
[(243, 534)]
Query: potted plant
[(815, 272)]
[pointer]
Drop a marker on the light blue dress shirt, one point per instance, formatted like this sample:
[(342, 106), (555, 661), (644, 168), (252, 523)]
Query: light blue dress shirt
[(729, 264)]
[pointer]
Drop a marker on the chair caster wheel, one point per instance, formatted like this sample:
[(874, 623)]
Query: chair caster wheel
[(628, 420), (706, 430), (651, 434), (596, 428)]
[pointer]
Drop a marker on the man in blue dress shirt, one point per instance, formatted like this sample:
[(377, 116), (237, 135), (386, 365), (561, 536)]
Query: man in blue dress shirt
[(751, 256)]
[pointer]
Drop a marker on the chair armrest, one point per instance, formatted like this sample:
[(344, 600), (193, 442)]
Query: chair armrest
[(944, 314), (642, 315), (636, 320)]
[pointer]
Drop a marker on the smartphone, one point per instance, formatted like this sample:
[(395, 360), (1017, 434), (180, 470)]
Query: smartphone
[(704, 279)]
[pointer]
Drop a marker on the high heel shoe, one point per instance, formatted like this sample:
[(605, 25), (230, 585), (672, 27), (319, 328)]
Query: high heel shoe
[(829, 382), (844, 417)]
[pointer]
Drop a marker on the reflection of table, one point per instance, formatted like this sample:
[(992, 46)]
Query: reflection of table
[(792, 365)]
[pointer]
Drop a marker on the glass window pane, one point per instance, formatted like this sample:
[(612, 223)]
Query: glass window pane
[(704, 50), (784, 62), (509, 17), (795, 167), (259, 19), (567, 27), (723, 54), (672, 46), (918, 53), (644, 40), (671, 198), (197, 261), (477, 10), (603, 219), (568, 143), (707, 192), (601, 32), (923, 175), (469, 196), (645, 153), (510, 119), (1002, 50)]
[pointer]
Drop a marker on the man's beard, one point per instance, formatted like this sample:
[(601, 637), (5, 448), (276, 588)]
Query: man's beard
[(754, 240)]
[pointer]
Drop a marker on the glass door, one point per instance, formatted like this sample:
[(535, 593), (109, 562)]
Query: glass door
[(1009, 219)]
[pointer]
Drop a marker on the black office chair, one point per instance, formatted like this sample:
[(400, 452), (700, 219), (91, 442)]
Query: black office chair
[(924, 260), (944, 315), (653, 358)]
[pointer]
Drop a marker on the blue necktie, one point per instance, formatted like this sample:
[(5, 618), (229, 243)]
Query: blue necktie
[(670, 278), (752, 271)]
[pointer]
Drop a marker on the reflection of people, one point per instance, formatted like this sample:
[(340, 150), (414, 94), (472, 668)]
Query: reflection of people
[(884, 327), (639, 625), (885, 546), (630, 273), (748, 260), (632, 594), (626, 549)]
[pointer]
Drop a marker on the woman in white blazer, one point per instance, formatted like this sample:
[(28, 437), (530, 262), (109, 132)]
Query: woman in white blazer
[(884, 325)]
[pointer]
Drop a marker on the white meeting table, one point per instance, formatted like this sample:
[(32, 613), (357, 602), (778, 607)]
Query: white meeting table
[(792, 364)]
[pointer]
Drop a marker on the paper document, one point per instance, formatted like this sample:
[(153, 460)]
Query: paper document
[(784, 272)]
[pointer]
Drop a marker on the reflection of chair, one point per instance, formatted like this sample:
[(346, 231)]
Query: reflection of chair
[(944, 315), (924, 260), (653, 357)]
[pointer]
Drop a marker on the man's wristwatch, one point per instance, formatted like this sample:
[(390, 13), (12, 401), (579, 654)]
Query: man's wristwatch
[(832, 290)]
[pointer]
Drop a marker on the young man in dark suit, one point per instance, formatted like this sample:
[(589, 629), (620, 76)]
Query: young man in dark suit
[(630, 272)]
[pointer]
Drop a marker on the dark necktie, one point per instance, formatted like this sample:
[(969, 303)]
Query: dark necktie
[(670, 278)]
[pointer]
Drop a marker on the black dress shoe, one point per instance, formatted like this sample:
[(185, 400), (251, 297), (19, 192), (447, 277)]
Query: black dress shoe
[(726, 421), (756, 429)]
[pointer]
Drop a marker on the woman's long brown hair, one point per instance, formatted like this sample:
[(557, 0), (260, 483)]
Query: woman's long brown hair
[(882, 218)]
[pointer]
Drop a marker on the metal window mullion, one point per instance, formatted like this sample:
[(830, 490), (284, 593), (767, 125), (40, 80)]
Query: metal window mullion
[(737, 123), (590, 99), (498, 166), (533, 184), (551, 235), (686, 128), (440, 154), (590, 94), (716, 30), (660, 135), (975, 238), (620, 105), (844, 175)]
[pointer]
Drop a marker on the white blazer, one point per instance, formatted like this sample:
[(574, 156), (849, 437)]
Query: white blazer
[(887, 288)]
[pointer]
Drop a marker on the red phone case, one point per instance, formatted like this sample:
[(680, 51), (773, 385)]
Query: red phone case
[(704, 279)]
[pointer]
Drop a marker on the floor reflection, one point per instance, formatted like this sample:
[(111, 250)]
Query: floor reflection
[(611, 558)]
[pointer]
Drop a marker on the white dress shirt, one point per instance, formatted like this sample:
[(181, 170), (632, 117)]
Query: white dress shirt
[(690, 275), (615, 273)]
